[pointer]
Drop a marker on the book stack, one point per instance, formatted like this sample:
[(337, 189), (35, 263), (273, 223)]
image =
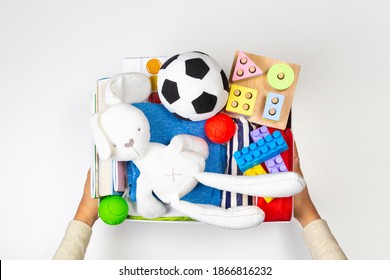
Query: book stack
[(108, 177)]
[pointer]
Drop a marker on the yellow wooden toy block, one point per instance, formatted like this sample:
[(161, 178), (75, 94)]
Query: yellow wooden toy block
[(258, 170), (241, 100)]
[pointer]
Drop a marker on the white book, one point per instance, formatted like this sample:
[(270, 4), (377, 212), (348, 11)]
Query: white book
[(102, 184)]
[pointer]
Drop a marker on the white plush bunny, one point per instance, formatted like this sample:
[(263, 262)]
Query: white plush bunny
[(170, 172)]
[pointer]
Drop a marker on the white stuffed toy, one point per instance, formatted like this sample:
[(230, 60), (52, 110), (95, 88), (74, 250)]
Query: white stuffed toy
[(170, 172), (130, 87)]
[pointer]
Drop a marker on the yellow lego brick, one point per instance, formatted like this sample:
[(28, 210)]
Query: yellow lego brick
[(258, 170), (268, 199), (241, 100)]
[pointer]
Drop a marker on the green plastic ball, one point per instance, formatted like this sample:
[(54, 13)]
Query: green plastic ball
[(113, 210)]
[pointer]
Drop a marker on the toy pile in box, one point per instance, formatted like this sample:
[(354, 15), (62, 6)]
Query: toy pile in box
[(177, 140)]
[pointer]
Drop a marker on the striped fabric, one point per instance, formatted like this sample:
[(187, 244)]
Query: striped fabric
[(240, 139)]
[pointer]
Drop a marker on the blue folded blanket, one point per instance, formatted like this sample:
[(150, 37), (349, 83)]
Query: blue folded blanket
[(163, 126)]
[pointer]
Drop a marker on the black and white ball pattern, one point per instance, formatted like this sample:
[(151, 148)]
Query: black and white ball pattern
[(192, 86)]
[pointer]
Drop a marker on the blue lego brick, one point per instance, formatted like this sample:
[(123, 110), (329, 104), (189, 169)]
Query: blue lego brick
[(259, 152), (273, 106)]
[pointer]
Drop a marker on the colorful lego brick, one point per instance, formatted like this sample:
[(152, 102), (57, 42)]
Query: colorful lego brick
[(256, 170), (241, 100), (273, 106), (245, 68), (259, 152), (268, 199), (275, 164), (259, 133)]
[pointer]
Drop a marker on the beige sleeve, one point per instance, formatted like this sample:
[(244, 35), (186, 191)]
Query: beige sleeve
[(321, 243), (75, 242)]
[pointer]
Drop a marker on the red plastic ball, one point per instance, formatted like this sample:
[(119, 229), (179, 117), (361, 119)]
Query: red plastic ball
[(220, 128)]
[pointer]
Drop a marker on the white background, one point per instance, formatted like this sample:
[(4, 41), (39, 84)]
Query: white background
[(52, 52)]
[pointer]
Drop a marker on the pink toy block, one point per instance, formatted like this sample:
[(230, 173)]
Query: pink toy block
[(245, 68)]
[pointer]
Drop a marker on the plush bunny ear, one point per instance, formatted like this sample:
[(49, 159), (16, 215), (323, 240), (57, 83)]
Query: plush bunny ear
[(128, 88), (102, 143), (240, 217), (281, 184)]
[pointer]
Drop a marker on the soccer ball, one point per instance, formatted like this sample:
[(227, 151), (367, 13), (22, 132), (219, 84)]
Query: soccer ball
[(192, 86)]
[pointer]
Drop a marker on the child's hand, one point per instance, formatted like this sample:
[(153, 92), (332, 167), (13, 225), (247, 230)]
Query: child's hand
[(304, 209), (87, 211)]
